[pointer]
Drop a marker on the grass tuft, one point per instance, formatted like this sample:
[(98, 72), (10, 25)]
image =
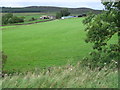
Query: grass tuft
[(67, 76)]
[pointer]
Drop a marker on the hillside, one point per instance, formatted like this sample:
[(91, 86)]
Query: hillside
[(46, 9)]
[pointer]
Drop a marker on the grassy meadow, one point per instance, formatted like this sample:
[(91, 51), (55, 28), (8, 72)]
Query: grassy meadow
[(48, 55), (44, 44)]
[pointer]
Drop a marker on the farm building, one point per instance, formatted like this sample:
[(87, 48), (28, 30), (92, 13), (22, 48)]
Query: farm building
[(44, 17), (48, 17), (65, 17), (51, 17)]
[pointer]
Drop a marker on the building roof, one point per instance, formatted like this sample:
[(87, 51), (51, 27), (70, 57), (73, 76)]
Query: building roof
[(67, 17)]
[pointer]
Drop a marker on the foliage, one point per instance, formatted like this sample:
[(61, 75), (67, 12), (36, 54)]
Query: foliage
[(9, 18), (100, 59), (6, 17), (100, 29), (67, 76), (65, 12), (32, 19), (58, 15), (62, 13), (4, 58), (15, 19)]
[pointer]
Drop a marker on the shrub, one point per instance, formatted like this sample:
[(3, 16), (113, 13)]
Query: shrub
[(102, 58), (15, 19), (9, 19), (4, 58), (32, 19), (6, 17)]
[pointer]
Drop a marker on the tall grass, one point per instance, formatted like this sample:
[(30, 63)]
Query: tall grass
[(67, 76)]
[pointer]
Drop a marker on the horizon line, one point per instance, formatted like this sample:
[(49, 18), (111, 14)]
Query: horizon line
[(48, 6)]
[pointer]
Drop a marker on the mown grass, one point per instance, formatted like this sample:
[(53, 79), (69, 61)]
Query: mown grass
[(67, 76), (45, 44)]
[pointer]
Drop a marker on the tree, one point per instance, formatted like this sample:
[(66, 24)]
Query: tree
[(100, 29), (58, 15), (63, 12)]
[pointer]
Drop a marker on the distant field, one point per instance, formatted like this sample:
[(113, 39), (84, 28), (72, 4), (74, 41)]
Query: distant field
[(31, 22), (45, 44), (28, 16)]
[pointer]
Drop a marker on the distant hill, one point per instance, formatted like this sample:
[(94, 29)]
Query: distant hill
[(46, 9)]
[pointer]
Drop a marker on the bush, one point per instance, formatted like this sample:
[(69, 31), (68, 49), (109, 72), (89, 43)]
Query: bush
[(9, 19), (15, 19), (105, 57), (4, 58), (32, 19), (6, 17)]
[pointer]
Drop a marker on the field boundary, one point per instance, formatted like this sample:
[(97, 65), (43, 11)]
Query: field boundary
[(30, 23)]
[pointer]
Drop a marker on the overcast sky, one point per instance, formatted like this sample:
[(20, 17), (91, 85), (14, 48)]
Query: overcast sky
[(95, 4)]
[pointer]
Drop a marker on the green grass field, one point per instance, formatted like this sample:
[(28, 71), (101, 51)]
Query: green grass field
[(46, 50), (44, 44)]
